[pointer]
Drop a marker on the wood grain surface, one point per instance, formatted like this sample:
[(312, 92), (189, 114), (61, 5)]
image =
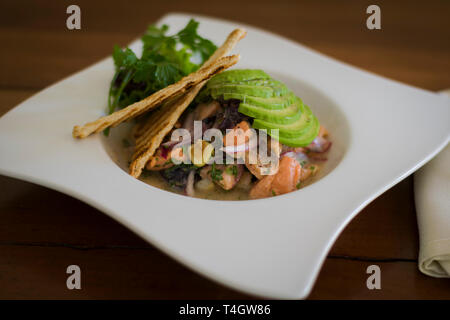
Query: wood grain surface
[(43, 231)]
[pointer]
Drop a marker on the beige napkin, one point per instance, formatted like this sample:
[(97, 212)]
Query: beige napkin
[(432, 195)]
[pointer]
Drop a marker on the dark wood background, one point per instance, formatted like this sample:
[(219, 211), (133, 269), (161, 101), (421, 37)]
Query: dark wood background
[(43, 231)]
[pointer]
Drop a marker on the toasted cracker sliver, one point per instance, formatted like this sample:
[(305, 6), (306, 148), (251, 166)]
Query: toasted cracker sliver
[(228, 45), (155, 99), (158, 122)]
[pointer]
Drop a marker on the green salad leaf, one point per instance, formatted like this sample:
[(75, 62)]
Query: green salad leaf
[(165, 60)]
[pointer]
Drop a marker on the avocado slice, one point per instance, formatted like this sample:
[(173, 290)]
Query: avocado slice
[(286, 115), (269, 102), (279, 89), (303, 140), (274, 103), (250, 90), (237, 75), (291, 130)]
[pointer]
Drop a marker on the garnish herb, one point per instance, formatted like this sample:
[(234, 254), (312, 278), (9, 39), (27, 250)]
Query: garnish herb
[(298, 185), (216, 174), (165, 59), (273, 193), (232, 170)]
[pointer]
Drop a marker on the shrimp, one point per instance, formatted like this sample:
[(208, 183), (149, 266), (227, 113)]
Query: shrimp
[(238, 135), (287, 177), (226, 176), (285, 180), (260, 170), (161, 160), (320, 144), (308, 171), (263, 188)]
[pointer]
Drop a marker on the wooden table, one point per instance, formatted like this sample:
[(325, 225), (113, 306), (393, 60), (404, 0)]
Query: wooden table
[(43, 231)]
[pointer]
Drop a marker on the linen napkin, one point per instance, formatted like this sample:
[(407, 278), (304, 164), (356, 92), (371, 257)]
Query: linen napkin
[(432, 197)]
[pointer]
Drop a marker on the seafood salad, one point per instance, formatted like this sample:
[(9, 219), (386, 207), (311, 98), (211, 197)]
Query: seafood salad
[(207, 132)]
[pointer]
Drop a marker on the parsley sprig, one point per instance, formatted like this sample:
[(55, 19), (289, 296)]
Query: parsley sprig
[(165, 59)]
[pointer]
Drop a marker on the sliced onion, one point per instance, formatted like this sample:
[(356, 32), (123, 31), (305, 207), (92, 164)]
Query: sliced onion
[(236, 149), (290, 154), (240, 148), (169, 144), (299, 156), (240, 168), (319, 145), (190, 184)]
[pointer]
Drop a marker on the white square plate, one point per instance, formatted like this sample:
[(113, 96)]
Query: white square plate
[(381, 130)]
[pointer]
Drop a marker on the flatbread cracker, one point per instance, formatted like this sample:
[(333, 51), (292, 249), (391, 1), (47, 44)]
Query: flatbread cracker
[(155, 123), (154, 139), (187, 82)]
